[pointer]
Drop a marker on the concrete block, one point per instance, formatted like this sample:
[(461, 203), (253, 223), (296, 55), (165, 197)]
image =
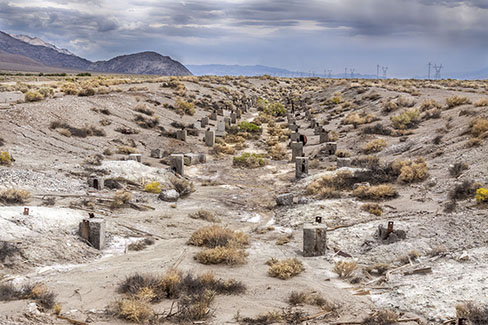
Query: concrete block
[(343, 162), (294, 137), (181, 135), (177, 163), (96, 182), (324, 137), (213, 116), (204, 122), (301, 167), (209, 138), (331, 148), (233, 118), (296, 150), (314, 240), (93, 230), (157, 153), (136, 156)]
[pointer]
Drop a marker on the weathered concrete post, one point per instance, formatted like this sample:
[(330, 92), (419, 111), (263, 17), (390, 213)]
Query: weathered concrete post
[(177, 163), (204, 122), (220, 112), (238, 114), (181, 135), (324, 137), (233, 118), (156, 153), (331, 148), (343, 162), (296, 150), (213, 116), (220, 127), (136, 156), (312, 123), (317, 130), (294, 137), (209, 138), (93, 230), (314, 240), (293, 127), (301, 167)]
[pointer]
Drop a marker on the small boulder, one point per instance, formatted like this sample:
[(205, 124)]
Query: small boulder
[(284, 199), (169, 195)]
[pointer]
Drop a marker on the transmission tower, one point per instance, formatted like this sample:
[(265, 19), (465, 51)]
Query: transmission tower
[(437, 69), (385, 70), (430, 64), (352, 72), (377, 71), (329, 73)]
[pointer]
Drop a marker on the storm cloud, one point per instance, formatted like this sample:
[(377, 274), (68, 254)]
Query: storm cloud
[(297, 35)]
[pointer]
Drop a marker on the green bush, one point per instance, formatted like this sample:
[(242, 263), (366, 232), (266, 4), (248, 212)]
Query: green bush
[(249, 160), (33, 96), (407, 119), (249, 127), (275, 109)]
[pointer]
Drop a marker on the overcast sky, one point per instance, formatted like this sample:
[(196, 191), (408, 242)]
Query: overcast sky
[(295, 34)]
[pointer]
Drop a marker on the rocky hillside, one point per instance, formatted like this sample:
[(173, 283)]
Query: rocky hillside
[(50, 56)]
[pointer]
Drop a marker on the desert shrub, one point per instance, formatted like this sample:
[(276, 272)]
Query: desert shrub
[(406, 120), (479, 126), (455, 101), (138, 283), (405, 101), (278, 152), (410, 171), (207, 281), (359, 118), (153, 187), (87, 92), (222, 148), (457, 169), (381, 317), (275, 109), (249, 127), (249, 160), (221, 255), (464, 190), (215, 236), (429, 104), (285, 269), (8, 292), (184, 107), (70, 88), (375, 145), (204, 215), (40, 293), (13, 196), (46, 92), (5, 158), (33, 96), (193, 308), (183, 186), (379, 192), (345, 269), (372, 208), (482, 102), (342, 154), (333, 136), (7, 250), (475, 314), (378, 128), (481, 195), (390, 106), (126, 150), (133, 309), (141, 108), (146, 122), (297, 298), (140, 244), (120, 199)]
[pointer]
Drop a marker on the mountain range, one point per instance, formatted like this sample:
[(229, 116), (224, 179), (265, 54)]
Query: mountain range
[(25, 53)]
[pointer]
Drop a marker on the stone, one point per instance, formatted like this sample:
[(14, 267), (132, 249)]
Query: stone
[(93, 230), (343, 162), (312, 123), (157, 153), (284, 199), (177, 163), (331, 148), (294, 137), (220, 112), (324, 137), (221, 126), (181, 135), (301, 167), (213, 116), (209, 138), (314, 240), (202, 158), (169, 195), (317, 130), (293, 127), (233, 118), (238, 114), (204, 122), (193, 158), (96, 182), (296, 150), (136, 156)]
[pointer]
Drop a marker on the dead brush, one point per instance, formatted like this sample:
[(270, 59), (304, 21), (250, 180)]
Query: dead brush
[(8, 250), (214, 236), (146, 122), (140, 244), (13, 196), (457, 169), (126, 150), (38, 292), (374, 146), (142, 108), (455, 101), (285, 269), (381, 317), (278, 152), (379, 192), (373, 208), (207, 281), (285, 316), (345, 269), (223, 149), (133, 309), (482, 102), (120, 199), (222, 255), (204, 215), (409, 171), (314, 299), (284, 239), (472, 312), (359, 118), (195, 307), (479, 127)]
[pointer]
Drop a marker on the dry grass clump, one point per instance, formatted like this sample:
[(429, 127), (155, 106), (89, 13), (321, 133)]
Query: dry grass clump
[(478, 127), (120, 199), (5, 159), (409, 171), (222, 148), (407, 119), (373, 208), (33, 96), (301, 298), (222, 255), (141, 244), (472, 312), (13, 196), (345, 269), (142, 108), (215, 236), (134, 310), (455, 101), (83, 132), (482, 102), (285, 269), (184, 107), (285, 316), (146, 122), (285, 239), (464, 190), (278, 152), (375, 145), (403, 101), (204, 215), (249, 160), (126, 150), (333, 136), (390, 106), (342, 153), (375, 193), (38, 292), (359, 118), (7, 250), (429, 104), (381, 317)]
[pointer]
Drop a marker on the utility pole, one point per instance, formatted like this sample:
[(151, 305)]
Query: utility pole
[(330, 73), (377, 71), (345, 73), (352, 72), (430, 64)]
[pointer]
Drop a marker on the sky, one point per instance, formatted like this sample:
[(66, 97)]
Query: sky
[(297, 35)]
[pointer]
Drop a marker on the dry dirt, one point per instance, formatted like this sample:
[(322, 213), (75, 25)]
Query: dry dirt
[(53, 166)]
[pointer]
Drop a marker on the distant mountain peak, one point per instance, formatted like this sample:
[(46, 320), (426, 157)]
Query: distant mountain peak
[(39, 42)]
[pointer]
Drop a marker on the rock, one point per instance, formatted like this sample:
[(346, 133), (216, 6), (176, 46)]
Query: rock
[(284, 199), (169, 196)]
